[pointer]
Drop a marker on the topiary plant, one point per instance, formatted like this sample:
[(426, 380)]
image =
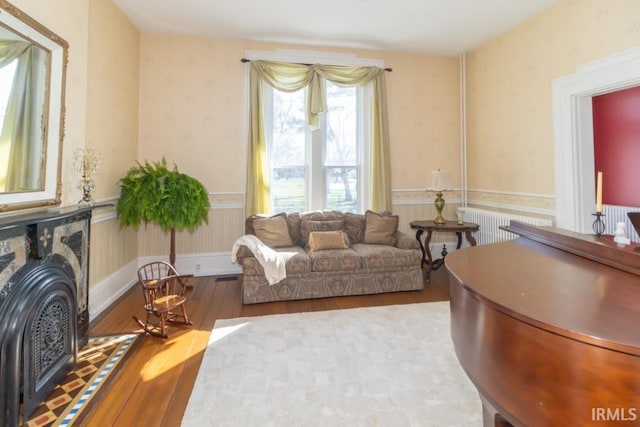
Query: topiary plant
[(154, 193)]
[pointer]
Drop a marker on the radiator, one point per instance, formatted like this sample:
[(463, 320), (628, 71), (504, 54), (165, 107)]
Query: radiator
[(614, 214), (491, 221)]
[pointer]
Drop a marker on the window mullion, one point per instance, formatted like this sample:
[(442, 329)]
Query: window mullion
[(267, 111), (364, 145), (316, 166)]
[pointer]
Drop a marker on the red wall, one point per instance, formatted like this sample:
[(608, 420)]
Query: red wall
[(616, 133)]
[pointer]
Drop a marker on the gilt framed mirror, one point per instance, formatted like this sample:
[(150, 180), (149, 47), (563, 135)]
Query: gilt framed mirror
[(33, 62)]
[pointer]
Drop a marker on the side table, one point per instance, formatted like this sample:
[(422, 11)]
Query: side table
[(449, 227)]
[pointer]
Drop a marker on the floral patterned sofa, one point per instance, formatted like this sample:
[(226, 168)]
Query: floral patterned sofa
[(330, 253)]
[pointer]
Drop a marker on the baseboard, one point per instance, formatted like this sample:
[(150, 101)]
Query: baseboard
[(207, 264), (107, 291)]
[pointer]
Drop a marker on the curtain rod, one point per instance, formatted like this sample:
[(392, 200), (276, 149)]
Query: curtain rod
[(244, 60)]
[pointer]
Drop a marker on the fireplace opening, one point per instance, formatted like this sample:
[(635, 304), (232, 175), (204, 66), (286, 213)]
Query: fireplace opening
[(38, 336)]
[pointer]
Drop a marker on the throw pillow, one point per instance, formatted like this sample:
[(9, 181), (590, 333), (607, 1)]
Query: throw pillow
[(380, 229), (306, 227), (323, 240), (273, 230)]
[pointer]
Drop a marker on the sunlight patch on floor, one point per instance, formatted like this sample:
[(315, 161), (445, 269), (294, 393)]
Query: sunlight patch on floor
[(167, 358), (219, 333)]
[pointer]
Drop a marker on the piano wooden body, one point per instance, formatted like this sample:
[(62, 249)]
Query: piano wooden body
[(547, 326)]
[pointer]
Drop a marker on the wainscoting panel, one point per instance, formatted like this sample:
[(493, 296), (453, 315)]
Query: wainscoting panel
[(117, 253), (224, 227), (106, 291), (425, 211), (111, 248)]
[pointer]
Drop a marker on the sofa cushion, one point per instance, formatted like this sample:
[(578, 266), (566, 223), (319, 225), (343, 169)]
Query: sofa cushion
[(354, 226), (335, 260), (273, 230), (323, 240), (380, 229), (298, 260), (382, 256), (307, 225)]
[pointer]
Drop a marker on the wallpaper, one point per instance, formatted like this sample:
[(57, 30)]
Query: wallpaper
[(509, 113), (193, 109)]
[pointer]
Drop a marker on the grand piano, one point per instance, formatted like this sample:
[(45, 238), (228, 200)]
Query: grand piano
[(547, 327)]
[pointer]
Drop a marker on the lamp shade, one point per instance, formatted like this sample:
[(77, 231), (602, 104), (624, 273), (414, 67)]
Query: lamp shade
[(440, 181)]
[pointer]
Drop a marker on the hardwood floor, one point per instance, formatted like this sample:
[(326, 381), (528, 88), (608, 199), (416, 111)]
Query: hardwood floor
[(154, 387)]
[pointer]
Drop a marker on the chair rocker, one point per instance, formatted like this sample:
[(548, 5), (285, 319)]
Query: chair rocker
[(164, 297)]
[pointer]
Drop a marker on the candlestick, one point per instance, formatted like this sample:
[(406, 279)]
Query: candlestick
[(86, 161), (598, 224), (599, 193)]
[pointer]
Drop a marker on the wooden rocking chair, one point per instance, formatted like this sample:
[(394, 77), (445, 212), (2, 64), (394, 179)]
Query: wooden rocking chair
[(164, 297)]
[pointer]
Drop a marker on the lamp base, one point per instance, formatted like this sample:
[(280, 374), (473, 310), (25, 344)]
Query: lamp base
[(87, 187), (439, 206)]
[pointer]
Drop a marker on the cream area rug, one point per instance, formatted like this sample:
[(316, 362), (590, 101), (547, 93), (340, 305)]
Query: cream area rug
[(378, 366)]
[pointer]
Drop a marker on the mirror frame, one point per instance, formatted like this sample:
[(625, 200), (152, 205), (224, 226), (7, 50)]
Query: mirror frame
[(51, 195)]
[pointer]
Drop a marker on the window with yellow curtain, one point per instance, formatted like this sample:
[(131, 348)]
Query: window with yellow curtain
[(318, 138)]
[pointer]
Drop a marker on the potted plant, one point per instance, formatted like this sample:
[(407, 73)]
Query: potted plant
[(154, 193)]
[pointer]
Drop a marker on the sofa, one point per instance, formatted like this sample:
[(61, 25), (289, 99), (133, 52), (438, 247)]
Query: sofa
[(327, 254)]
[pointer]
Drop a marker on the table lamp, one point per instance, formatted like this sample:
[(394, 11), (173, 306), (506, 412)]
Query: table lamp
[(440, 181)]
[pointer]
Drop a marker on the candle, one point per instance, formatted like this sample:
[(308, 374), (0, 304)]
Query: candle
[(599, 193)]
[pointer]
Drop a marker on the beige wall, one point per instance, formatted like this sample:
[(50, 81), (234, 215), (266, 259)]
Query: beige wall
[(509, 104), (112, 127), (192, 111), (101, 109), (68, 19), (112, 93)]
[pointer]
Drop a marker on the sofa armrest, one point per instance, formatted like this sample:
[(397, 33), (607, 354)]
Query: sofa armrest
[(246, 247), (404, 241), (243, 252)]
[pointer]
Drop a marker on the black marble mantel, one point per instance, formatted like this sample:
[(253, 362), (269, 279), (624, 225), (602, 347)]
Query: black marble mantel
[(44, 303)]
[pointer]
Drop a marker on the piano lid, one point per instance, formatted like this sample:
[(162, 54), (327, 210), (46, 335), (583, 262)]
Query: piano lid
[(600, 249)]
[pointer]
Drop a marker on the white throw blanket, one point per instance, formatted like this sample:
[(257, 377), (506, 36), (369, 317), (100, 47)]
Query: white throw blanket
[(271, 261)]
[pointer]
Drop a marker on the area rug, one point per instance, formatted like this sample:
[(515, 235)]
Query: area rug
[(69, 402), (377, 366)]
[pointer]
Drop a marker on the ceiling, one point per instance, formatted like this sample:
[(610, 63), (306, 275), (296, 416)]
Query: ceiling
[(438, 27)]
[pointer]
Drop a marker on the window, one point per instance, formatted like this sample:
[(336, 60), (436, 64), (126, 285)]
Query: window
[(275, 124), (317, 169)]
